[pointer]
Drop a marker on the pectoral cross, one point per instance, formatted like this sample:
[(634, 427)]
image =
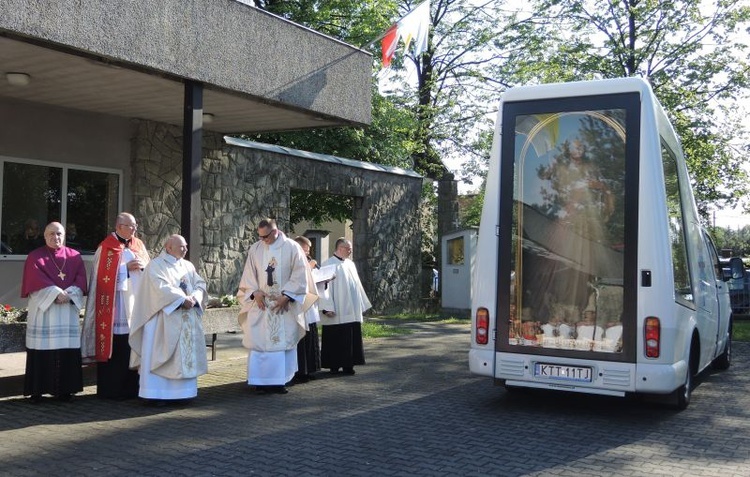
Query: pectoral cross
[(61, 275)]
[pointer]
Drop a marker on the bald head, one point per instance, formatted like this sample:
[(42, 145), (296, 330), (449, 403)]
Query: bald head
[(54, 225), (54, 235), (176, 246), (125, 225)]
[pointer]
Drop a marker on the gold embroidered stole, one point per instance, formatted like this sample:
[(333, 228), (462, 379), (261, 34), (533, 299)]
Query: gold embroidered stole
[(106, 283)]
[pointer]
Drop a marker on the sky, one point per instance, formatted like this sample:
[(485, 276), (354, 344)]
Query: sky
[(732, 219)]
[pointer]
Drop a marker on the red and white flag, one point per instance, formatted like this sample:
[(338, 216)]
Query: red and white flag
[(414, 26)]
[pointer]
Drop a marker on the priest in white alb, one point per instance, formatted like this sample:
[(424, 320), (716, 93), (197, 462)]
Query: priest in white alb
[(167, 342), (342, 314), (275, 290)]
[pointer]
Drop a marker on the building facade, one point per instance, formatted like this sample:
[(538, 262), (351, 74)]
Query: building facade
[(111, 105)]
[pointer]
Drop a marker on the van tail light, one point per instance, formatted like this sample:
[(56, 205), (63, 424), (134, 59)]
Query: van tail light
[(483, 326), (652, 335)]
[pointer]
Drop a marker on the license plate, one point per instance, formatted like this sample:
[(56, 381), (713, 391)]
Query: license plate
[(564, 373)]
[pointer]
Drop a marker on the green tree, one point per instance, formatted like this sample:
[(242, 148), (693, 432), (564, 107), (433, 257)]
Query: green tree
[(441, 110), (456, 82), (454, 87), (472, 215), (736, 240), (387, 140), (692, 53), (355, 22), (470, 59)]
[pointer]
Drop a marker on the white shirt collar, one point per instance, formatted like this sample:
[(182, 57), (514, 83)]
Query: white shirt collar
[(171, 259), (279, 240)]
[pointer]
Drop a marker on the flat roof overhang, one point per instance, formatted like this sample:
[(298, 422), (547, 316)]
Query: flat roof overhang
[(132, 59)]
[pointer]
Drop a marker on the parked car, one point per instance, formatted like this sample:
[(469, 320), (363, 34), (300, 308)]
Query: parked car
[(739, 295), (739, 289)]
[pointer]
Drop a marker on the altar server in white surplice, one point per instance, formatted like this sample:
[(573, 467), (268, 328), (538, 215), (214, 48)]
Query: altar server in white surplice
[(308, 348), (166, 336), (275, 291), (342, 314)]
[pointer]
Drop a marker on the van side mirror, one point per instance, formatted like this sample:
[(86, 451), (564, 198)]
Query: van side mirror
[(736, 267)]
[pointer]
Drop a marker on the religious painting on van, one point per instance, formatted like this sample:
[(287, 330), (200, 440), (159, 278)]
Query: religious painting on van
[(568, 231)]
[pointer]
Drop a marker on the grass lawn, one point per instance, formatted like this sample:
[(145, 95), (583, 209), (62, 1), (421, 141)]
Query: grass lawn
[(741, 330), (380, 330), (384, 326)]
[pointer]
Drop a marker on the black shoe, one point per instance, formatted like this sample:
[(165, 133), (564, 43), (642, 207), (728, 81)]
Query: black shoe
[(278, 390), (116, 397), (261, 389), (300, 378), (155, 402), (35, 398), (180, 402), (335, 370), (349, 371)]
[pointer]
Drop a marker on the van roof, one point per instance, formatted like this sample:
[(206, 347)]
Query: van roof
[(578, 88)]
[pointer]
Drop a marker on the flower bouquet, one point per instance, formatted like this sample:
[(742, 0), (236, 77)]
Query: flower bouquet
[(11, 314)]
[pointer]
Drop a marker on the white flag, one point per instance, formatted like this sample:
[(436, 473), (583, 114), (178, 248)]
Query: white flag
[(416, 26)]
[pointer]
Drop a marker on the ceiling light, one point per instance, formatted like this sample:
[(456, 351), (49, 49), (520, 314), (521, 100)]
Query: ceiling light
[(18, 79)]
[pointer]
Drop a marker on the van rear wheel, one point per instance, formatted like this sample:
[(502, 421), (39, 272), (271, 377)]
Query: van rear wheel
[(724, 360)]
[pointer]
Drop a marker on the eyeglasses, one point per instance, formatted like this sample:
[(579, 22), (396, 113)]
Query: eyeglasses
[(263, 237)]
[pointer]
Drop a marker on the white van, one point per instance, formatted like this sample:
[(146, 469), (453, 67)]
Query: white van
[(593, 273)]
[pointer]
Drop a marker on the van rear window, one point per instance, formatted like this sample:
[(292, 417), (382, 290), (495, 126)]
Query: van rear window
[(568, 231)]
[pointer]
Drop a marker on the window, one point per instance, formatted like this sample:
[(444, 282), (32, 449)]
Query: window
[(682, 284), (568, 230), (85, 200), (714, 255), (456, 251)]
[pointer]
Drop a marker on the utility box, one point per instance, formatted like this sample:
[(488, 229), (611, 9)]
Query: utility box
[(456, 271)]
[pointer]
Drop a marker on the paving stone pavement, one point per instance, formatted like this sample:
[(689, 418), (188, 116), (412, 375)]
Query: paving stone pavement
[(413, 410)]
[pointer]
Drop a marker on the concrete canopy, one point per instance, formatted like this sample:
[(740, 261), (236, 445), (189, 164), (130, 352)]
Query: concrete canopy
[(130, 58)]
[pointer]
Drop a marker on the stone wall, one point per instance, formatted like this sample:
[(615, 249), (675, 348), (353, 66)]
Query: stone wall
[(241, 185)]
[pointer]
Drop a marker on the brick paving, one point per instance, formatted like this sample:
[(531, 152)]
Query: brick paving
[(413, 410)]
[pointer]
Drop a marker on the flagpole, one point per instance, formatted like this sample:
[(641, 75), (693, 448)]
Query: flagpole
[(372, 43)]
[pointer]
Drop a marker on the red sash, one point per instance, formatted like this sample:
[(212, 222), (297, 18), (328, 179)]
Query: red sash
[(106, 281)]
